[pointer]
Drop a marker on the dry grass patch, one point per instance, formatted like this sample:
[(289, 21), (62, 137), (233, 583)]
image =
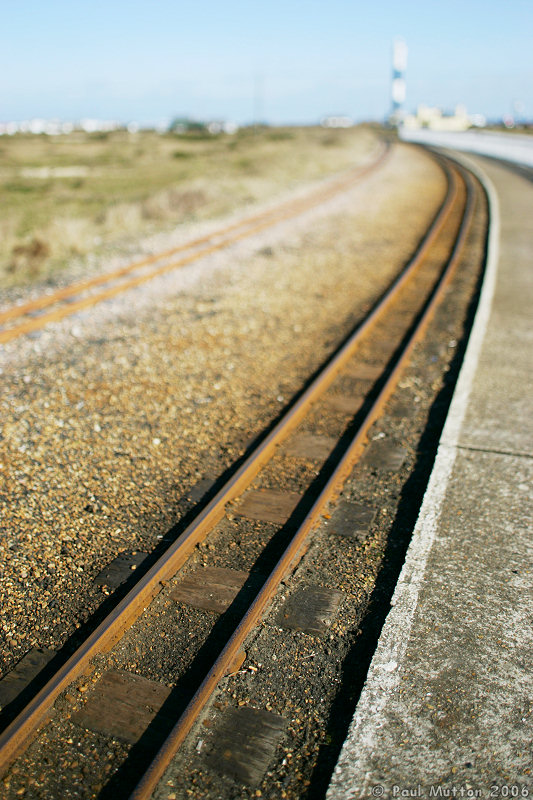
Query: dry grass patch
[(68, 195)]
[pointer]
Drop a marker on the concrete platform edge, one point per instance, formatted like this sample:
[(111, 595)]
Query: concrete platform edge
[(348, 780)]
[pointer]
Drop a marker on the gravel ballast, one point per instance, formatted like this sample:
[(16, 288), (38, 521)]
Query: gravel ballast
[(109, 418)]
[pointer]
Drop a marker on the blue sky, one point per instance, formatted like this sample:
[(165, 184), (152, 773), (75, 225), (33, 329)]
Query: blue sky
[(294, 61)]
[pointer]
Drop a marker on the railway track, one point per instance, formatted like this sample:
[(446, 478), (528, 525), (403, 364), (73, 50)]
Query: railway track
[(247, 539), (31, 316)]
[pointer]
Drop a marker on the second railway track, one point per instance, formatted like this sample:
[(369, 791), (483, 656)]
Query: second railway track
[(54, 306), (247, 538)]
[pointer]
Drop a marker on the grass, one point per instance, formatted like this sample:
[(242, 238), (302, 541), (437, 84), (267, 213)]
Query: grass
[(70, 195)]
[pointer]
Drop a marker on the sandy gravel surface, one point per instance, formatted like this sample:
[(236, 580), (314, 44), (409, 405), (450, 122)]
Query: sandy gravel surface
[(110, 417)]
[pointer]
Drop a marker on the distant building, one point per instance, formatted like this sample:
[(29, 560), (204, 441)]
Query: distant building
[(338, 121), (435, 119), (99, 125), (37, 127), (187, 125), (219, 126), (54, 127)]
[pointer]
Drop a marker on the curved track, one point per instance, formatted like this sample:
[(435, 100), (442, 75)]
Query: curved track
[(396, 324), (229, 654)]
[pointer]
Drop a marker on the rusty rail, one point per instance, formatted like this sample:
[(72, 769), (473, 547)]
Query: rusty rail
[(18, 734)]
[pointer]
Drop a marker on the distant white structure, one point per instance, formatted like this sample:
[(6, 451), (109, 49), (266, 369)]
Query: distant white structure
[(436, 120), (54, 127), (98, 125), (221, 126), (37, 126), (398, 86), (338, 121)]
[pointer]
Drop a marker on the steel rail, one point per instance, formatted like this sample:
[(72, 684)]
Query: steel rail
[(15, 736), (294, 551), (264, 219)]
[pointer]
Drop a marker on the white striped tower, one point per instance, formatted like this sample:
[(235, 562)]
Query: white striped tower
[(399, 64)]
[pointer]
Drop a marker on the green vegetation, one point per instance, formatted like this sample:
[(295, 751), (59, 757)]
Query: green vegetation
[(69, 195)]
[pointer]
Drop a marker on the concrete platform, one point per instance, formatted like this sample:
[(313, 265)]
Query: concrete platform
[(515, 147), (447, 706)]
